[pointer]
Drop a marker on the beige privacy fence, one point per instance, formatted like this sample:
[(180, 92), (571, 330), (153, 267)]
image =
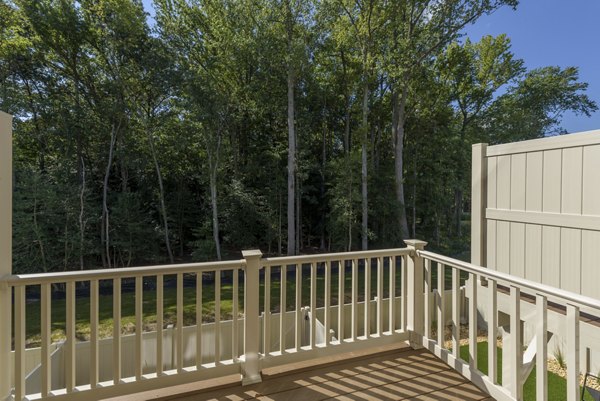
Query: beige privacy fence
[(536, 210)]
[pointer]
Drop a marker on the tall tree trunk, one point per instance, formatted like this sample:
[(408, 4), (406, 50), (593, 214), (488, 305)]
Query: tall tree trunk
[(291, 166), (414, 205), (364, 177), (458, 192), (163, 207), (398, 118), (323, 183), (347, 145), (280, 235), (37, 230), (81, 213), (214, 166), (105, 226)]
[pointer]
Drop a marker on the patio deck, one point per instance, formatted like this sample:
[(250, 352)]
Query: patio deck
[(383, 373)]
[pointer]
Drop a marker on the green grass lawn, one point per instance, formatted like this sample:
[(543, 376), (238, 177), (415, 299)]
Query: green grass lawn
[(208, 302), (557, 386)]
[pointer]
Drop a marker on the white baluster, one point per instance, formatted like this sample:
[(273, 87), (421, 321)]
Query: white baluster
[(492, 328), (267, 312), (117, 330), (159, 323), (572, 353), (46, 323), (541, 354)]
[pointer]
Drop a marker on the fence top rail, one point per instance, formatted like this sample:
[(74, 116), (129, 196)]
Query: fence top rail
[(328, 257), (107, 274), (586, 138), (567, 296)]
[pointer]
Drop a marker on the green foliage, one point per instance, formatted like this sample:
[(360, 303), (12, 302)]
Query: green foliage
[(129, 136)]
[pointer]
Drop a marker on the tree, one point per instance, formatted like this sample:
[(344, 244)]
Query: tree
[(474, 72), (417, 32)]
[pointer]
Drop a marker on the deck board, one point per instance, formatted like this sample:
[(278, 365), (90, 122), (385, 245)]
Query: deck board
[(401, 374)]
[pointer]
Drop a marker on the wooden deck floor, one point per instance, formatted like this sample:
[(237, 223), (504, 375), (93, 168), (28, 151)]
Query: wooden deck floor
[(397, 374)]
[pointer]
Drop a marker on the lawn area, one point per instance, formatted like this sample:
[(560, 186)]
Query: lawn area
[(557, 386), (208, 299)]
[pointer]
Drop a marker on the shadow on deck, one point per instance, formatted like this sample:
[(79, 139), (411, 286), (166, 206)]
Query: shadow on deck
[(384, 373)]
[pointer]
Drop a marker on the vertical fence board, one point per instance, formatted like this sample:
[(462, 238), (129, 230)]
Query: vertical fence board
[(517, 249), (590, 257), (571, 181), (551, 182), (534, 180), (591, 180), (518, 169), (570, 259), (533, 252)]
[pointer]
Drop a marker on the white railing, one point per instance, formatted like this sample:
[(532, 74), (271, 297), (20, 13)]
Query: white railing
[(373, 310), (88, 380), (311, 306), (148, 359), (519, 293)]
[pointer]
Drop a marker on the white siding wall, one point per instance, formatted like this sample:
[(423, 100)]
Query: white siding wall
[(543, 211)]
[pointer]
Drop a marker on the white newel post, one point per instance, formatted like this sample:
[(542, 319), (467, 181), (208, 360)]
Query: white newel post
[(5, 250), (415, 294), (250, 365), (478, 204)]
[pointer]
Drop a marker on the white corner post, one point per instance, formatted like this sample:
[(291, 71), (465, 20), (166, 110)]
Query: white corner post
[(250, 364), (478, 204), (415, 294), (5, 251), (478, 238)]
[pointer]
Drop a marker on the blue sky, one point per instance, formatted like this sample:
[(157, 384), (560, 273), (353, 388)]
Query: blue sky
[(553, 32), (548, 32)]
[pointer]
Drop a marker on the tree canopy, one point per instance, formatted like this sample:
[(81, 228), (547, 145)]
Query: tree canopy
[(286, 125)]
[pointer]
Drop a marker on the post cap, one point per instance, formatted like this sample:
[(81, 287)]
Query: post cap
[(251, 253), (415, 243)]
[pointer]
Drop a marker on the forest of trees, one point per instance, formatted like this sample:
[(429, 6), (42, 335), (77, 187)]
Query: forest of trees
[(293, 126)]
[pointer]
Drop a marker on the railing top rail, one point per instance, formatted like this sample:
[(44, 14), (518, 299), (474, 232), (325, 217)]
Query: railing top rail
[(543, 289), (107, 274), (289, 260)]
